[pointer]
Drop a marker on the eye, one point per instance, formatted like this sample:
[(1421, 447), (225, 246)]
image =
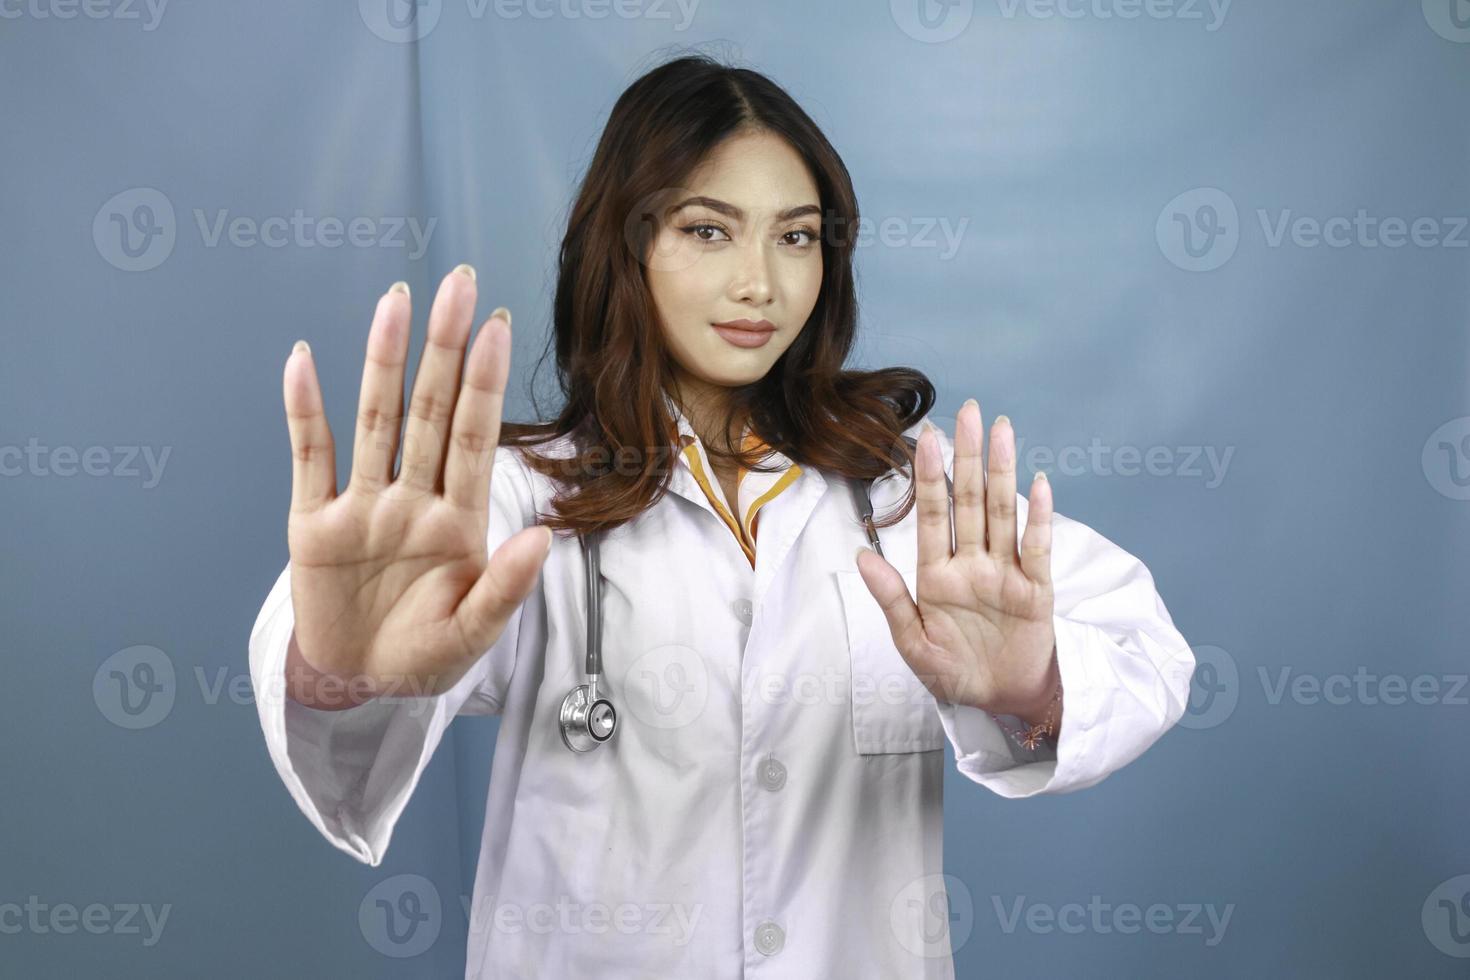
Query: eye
[(811, 236), (695, 229)]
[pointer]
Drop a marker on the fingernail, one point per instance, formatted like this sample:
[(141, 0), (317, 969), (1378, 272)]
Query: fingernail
[(550, 538), (503, 313), (970, 401), (467, 269), (301, 345), (1002, 418), (860, 553), (399, 287), (1040, 475)]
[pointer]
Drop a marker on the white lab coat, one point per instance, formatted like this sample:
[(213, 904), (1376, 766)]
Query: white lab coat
[(770, 805)]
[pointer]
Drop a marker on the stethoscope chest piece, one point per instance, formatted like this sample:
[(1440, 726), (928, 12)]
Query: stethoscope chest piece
[(586, 719)]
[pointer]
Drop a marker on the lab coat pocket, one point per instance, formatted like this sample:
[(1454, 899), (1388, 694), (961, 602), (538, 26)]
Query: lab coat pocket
[(892, 711)]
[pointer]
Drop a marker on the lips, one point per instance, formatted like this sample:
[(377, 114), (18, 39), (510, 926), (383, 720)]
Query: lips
[(736, 333), (751, 325)]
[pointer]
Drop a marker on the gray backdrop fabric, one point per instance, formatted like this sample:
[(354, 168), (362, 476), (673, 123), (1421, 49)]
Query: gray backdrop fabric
[(1210, 257)]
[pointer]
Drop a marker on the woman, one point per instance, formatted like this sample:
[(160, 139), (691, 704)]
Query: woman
[(769, 797)]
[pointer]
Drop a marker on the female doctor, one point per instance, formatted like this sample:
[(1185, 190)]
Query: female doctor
[(747, 781)]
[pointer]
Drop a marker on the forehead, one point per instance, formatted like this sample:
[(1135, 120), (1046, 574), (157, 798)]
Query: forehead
[(757, 172)]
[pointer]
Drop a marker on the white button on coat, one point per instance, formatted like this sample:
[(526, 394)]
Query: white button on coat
[(673, 828), (742, 610), (772, 775), (769, 938)]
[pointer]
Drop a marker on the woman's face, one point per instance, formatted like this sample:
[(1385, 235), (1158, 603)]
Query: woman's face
[(748, 249)]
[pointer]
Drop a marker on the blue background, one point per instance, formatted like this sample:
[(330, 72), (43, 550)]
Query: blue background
[(1100, 292)]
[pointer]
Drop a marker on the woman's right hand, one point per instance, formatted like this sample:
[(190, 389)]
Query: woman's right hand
[(391, 586)]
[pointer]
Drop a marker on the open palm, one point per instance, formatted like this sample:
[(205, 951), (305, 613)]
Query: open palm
[(391, 584), (981, 631)]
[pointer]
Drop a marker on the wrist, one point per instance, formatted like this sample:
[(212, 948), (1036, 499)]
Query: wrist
[(1035, 710), (1038, 701), (1040, 721), (319, 689)]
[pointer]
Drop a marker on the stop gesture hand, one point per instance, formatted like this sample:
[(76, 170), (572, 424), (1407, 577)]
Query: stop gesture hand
[(980, 633)]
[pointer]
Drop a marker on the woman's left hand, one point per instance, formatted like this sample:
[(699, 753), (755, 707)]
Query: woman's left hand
[(981, 632)]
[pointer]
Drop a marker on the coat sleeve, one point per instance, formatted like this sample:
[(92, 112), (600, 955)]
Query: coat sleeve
[(352, 771), (1125, 671)]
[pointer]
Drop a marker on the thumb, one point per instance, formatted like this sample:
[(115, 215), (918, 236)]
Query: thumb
[(891, 592), (508, 578)]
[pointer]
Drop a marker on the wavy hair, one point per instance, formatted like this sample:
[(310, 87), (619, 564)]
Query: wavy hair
[(612, 364)]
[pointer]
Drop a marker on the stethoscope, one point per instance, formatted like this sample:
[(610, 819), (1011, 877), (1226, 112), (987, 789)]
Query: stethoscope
[(587, 718)]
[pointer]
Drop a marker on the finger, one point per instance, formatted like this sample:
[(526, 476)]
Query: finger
[(969, 481), (475, 431), (1036, 542), (508, 578), (1000, 492), (933, 502), (891, 592), (313, 455), (436, 385), (380, 401)]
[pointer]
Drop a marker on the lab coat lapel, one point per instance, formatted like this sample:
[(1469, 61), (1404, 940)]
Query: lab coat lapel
[(682, 481), (781, 523), (781, 519), (685, 485)]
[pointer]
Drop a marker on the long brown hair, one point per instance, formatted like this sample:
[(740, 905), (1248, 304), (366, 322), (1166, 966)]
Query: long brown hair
[(612, 364)]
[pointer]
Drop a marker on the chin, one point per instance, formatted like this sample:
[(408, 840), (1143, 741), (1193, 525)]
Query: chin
[(733, 375)]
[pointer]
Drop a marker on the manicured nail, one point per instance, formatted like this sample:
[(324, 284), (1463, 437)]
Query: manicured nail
[(301, 345), (1040, 475), (503, 313), (399, 287), (970, 401), (1002, 418), (467, 269)]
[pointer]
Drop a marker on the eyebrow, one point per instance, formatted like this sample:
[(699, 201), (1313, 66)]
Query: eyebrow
[(731, 211)]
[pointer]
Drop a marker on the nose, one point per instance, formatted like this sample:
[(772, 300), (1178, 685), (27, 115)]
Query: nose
[(751, 282)]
